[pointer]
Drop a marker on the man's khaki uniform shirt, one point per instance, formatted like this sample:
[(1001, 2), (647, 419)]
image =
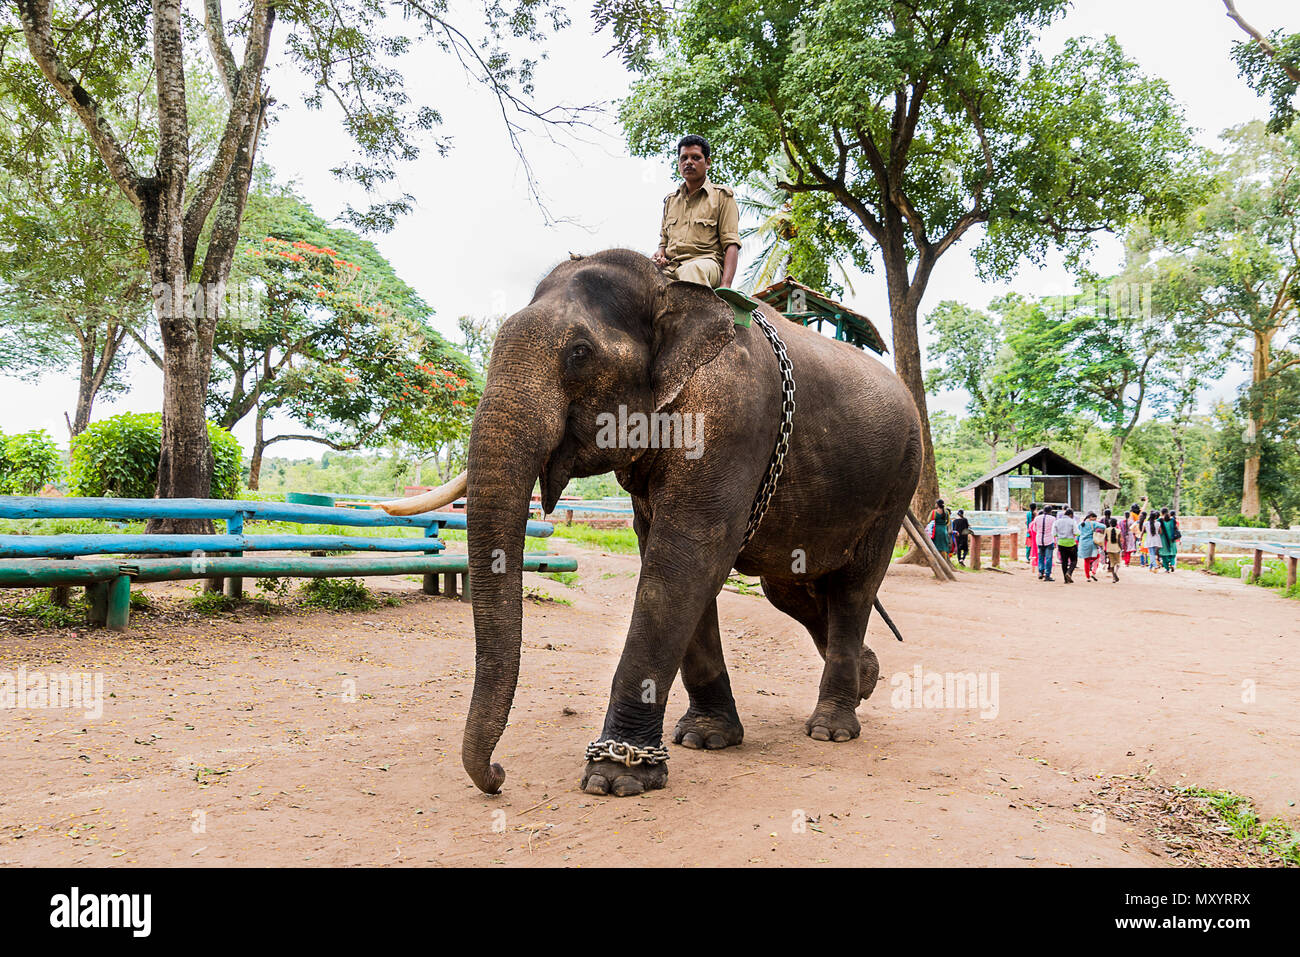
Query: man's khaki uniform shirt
[(701, 226)]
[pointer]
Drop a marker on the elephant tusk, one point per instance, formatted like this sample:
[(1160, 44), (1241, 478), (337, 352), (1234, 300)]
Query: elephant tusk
[(428, 501)]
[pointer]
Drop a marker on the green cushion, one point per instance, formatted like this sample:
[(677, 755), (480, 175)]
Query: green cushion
[(741, 305)]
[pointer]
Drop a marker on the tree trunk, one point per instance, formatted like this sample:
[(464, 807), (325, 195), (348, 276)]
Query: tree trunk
[(1250, 505), (1181, 445), (85, 387), (259, 447), (93, 373), (1116, 456), (904, 297)]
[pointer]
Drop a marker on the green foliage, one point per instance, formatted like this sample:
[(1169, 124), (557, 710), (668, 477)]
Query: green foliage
[(274, 587), (118, 457), (1272, 574), (212, 602), (567, 579), (1275, 837), (1267, 74), (28, 462), (338, 594), (1279, 464), (38, 605), (543, 597), (618, 540), (998, 134)]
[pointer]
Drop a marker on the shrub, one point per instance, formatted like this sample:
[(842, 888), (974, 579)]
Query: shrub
[(1243, 521), (338, 594), (118, 457), (28, 463)]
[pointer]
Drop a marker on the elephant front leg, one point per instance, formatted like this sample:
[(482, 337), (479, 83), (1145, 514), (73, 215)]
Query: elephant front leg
[(680, 578)]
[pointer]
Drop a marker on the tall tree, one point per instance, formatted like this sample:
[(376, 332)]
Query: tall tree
[(82, 51), (973, 355), (72, 276), (1234, 265), (327, 334), (922, 121)]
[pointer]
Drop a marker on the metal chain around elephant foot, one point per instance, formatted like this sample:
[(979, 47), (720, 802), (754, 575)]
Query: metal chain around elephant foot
[(774, 467), (620, 752)]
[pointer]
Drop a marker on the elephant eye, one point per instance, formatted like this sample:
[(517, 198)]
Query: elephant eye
[(578, 353)]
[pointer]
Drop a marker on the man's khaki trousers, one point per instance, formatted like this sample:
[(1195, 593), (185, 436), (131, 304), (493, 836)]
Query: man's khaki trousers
[(704, 271)]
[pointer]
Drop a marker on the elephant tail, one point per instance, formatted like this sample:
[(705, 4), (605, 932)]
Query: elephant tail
[(888, 621)]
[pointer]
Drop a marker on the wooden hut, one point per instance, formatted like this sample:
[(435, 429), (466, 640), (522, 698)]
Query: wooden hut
[(1040, 475)]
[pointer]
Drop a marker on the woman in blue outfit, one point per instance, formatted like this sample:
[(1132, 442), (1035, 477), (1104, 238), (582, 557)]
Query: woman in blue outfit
[(1088, 550)]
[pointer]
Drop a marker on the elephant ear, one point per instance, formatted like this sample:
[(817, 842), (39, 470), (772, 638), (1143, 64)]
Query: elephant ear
[(691, 326)]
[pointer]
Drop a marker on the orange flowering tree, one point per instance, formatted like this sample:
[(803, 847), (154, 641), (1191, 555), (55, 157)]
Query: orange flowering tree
[(320, 332)]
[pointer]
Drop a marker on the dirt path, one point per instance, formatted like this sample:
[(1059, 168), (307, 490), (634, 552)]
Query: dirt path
[(319, 738)]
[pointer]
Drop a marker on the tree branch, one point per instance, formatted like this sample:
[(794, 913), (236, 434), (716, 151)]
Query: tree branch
[(214, 25), (1263, 42), (245, 109), (35, 16)]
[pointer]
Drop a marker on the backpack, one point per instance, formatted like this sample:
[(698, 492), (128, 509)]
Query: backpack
[(1099, 536)]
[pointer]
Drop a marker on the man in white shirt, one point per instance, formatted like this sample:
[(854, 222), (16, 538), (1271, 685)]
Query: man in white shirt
[(1044, 534), (1066, 532)]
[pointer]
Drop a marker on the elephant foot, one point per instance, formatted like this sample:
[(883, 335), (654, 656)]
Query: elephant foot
[(831, 723), (868, 673), (709, 732), (610, 777)]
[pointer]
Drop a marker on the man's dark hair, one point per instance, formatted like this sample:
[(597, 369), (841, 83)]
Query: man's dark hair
[(694, 139)]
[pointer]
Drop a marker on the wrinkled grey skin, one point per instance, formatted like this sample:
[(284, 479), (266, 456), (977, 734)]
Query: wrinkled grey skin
[(608, 330)]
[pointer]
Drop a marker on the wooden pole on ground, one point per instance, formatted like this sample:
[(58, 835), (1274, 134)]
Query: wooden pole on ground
[(942, 570)]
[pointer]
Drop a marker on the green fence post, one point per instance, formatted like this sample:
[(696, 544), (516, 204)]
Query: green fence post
[(430, 586), (119, 603), (235, 586), (97, 597)]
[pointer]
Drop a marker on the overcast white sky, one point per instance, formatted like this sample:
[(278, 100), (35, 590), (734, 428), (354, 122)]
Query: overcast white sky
[(476, 244)]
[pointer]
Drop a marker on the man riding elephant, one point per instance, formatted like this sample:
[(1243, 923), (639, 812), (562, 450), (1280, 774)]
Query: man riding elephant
[(699, 237)]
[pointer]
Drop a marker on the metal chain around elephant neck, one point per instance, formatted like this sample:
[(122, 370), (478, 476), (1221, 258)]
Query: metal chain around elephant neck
[(777, 463)]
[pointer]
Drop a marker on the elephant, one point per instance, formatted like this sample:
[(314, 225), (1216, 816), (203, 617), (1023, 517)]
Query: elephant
[(606, 335)]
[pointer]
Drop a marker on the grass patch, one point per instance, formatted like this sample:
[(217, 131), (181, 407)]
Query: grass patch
[(1273, 837), (542, 597), (742, 586), (338, 594), (567, 579), (38, 605), (618, 540), (1272, 574), (68, 526), (213, 602)]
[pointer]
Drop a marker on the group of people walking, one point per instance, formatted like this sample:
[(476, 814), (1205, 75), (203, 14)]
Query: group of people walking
[(1104, 543)]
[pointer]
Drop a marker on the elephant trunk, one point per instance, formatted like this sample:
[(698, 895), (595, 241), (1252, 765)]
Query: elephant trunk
[(504, 461)]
